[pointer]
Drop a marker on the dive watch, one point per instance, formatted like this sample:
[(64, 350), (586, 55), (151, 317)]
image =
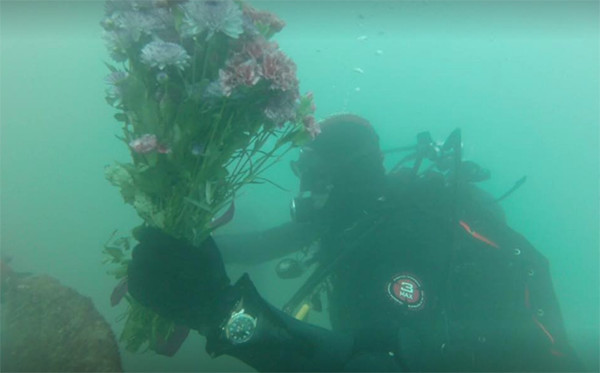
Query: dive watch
[(240, 327)]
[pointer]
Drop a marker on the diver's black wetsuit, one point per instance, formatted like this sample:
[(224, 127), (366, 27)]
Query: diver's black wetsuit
[(433, 286)]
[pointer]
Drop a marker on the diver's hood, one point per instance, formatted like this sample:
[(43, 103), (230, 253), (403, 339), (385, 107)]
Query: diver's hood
[(339, 169)]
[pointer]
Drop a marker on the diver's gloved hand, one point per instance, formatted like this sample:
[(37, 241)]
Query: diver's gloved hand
[(177, 280)]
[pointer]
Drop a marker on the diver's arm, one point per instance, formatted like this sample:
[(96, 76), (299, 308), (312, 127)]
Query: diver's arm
[(526, 332), (549, 348), (281, 343), (258, 247)]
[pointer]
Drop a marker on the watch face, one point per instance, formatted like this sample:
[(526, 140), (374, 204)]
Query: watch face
[(240, 328)]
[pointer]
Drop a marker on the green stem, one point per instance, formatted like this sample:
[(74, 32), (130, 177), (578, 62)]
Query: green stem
[(257, 145), (199, 176), (194, 63), (206, 56)]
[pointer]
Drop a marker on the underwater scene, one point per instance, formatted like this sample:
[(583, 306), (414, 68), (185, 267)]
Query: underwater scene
[(195, 186)]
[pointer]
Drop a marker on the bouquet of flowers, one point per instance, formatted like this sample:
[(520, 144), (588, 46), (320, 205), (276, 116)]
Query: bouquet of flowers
[(207, 102)]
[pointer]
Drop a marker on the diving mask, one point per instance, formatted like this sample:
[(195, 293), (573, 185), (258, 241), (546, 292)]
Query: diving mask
[(315, 186)]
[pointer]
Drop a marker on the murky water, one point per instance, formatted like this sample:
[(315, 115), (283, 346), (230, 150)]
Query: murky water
[(519, 78)]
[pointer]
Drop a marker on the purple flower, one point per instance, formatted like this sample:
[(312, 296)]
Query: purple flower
[(212, 16), (161, 54), (144, 144)]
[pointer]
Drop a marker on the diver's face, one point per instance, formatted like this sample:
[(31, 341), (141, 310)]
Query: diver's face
[(315, 185), (313, 172)]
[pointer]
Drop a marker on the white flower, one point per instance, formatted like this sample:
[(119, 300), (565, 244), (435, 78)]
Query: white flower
[(161, 54), (137, 23), (213, 16)]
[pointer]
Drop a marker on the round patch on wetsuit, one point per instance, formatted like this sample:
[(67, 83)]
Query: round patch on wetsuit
[(407, 290)]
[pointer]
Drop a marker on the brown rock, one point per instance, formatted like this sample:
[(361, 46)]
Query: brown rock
[(48, 327)]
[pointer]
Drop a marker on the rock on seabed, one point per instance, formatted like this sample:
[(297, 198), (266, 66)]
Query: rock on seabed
[(48, 327)]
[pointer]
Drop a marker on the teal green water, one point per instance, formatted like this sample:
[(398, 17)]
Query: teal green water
[(520, 78)]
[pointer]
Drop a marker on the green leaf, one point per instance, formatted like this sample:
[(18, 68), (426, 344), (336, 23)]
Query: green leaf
[(121, 271), (122, 139), (131, 335), (111, 67), (115, 252), (121, 117), (123, 242), (136, 99), (110, 100), (187, 116), (155, 179), (152, 159), (301, 137)]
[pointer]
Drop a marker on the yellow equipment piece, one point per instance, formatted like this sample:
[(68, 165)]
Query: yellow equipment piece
[(302, 312)]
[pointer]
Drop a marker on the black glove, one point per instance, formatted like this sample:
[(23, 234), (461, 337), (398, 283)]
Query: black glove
[(178, 281)]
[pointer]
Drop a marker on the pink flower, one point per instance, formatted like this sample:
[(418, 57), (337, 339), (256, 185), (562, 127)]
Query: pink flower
[(227, 81), (280, 70), (311, 125), (258, 47), (281, 108), (274, 23), (310, 97), (163, 149), (259, 59), (245, 73), (144, 144)]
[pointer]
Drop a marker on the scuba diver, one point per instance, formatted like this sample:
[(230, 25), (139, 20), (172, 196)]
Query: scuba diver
[(419, 268)]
